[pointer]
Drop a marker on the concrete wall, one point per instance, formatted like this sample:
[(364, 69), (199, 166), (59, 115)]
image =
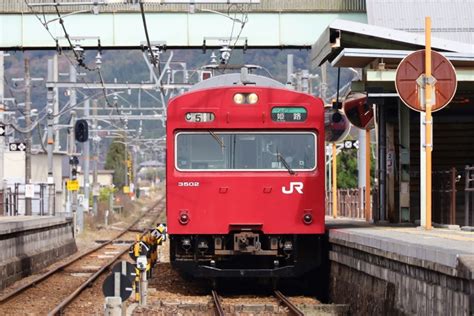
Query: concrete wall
[(14, 172), (104, 178), (376, 282), (28, 245), (39, 173), (14, 166)]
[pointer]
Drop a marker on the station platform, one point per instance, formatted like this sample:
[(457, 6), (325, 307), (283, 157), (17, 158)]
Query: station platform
[(402, 269), (438, 246), (30, 243)]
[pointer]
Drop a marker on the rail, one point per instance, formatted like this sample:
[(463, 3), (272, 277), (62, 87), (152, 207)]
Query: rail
[(217, 303), (58, 309), (73, 260), (293, 309)]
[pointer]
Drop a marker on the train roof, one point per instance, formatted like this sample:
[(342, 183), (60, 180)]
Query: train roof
[(234, 79)]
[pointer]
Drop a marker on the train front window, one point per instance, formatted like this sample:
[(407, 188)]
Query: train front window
[(245, 151)]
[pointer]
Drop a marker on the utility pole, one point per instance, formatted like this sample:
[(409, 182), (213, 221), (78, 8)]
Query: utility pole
[(50, 142), (73, 160), (56, 103), (86, 157), (2, 117), (135, 167), (95, 185), (289, 69), (324, 82), (126, 162), (77, 212), (28, 210)]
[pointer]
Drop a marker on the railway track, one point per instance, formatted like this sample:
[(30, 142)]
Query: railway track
[(53, 291), (217, 303), (292, 308)]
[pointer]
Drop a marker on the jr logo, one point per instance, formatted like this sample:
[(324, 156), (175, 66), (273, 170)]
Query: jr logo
[(294, 186)]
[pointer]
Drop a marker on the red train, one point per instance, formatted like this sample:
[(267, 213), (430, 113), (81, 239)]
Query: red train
[(245, 179)]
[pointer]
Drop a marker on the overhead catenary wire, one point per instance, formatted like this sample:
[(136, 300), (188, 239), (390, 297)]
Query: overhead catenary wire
[(156, 64), (78, 59), (152, 54), (243, 21)]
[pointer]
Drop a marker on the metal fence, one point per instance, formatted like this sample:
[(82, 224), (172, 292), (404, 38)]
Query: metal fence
[(13, 199), (453, 195), (452, 198), (350, 203), (444, 196), (468, 196)]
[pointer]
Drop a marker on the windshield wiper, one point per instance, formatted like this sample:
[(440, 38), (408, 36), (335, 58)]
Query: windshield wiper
[(217, 138), (285, 163)]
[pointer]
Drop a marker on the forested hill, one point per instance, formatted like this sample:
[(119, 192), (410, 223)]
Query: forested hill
[(129, 66)]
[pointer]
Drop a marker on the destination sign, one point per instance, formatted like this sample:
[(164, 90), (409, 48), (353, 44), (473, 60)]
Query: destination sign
[(289, 114)]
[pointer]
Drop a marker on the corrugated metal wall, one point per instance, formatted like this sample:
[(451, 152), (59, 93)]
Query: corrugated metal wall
[(19, 6), (451, 19)]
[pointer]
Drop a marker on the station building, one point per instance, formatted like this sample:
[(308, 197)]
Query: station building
[(394, 30)]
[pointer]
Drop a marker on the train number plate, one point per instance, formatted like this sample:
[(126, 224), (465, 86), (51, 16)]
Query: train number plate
[(199, 117)]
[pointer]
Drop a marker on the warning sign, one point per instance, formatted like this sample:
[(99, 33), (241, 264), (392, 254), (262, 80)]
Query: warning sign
[(72, 185)]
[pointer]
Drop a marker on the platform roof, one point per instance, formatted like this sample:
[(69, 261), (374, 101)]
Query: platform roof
[(342, 34), (361, 57)]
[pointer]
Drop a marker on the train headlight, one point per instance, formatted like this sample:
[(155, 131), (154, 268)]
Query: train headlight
[(239, 98), (252, 98)]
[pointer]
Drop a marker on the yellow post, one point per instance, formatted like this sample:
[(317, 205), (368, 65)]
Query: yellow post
[(367, 176), (334, 181), (428, 122)]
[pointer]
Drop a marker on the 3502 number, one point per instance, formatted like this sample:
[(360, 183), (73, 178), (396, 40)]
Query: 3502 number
[(188, 184)]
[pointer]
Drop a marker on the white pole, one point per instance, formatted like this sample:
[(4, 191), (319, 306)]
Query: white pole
[(361, 159), (422, 171), (361, 165), (56, 103)]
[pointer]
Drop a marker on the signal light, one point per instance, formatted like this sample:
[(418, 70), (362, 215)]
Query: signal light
[(81, 131)]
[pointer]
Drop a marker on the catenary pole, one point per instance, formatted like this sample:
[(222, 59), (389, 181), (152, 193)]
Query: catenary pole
[(50, 140), (28, 208)]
